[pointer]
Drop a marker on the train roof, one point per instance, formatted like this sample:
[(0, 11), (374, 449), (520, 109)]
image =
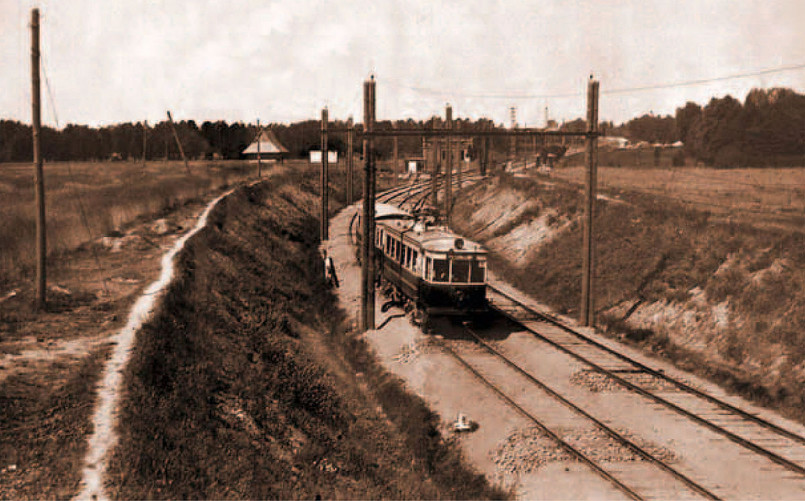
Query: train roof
[(387, 211), (440, 239), (435, 238)]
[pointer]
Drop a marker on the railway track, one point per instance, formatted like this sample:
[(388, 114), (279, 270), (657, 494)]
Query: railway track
[(553, 421), (759, 436), (783, 447)]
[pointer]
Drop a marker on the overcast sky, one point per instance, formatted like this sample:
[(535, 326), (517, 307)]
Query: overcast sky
[(128, 60)]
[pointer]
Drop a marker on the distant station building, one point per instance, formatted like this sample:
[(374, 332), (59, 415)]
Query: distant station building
[(268, 145)]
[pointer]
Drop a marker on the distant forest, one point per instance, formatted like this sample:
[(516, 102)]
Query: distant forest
[(767, 129), (210, 140)]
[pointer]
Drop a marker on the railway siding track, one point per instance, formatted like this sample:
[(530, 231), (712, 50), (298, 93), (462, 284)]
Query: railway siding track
[(752, 432)]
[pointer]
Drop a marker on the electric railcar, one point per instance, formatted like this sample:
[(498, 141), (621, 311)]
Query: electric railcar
[(427, 266)]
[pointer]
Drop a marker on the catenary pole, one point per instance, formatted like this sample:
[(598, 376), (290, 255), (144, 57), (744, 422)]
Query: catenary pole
[(368, 223), (396, 143), (485, 159), (350, 147), (460, 157), (324, 178), (259, 160), (435, 170), (39, 180), (588, 247), (448, 185)]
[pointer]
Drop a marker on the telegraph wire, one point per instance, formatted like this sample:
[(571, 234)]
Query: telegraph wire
[(79, 196), (688, 83), (621, 90)]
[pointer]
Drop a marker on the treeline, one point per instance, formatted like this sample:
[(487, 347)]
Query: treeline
[(211, 140), (124, 141), (767, 129)]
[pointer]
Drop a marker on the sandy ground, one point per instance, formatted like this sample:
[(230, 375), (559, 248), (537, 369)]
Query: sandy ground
[(511, 454)]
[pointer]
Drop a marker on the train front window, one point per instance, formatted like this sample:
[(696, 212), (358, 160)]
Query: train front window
[(461, 271), (478, 271), (441, 270)]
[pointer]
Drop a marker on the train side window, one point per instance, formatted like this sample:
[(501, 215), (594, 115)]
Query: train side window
[(415, 261), (478, 271), (461, 271), (388, 244), (428, 268), (441, 270)]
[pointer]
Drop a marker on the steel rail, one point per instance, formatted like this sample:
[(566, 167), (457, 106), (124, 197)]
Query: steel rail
[(773, 456), (600, 424), (553, 435), (679, 384)]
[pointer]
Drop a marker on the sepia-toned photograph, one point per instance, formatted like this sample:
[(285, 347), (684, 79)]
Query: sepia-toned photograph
[(402, 250)]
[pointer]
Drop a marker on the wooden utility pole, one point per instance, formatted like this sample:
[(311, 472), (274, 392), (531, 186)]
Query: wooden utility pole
[(587, 316), (460, 157), (259, 160), (368, 223), (39, 177), (178, 143), (448, 185), (435, 169), (396, 143), (350, 139), (145, 140), (485, 157), (513, 140), (325, 185)]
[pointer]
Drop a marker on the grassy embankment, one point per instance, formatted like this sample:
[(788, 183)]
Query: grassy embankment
[(244, 383), (724, 299), (112, 194)]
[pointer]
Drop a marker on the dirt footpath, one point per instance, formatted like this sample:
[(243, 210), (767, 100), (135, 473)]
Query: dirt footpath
[(50, 362)]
